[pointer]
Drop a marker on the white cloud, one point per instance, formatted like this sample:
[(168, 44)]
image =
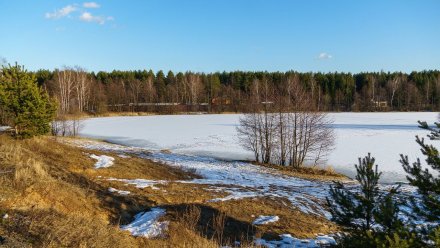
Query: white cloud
[(91, 5), (57, 14), (324, 56), (88, 17), (85, 16)]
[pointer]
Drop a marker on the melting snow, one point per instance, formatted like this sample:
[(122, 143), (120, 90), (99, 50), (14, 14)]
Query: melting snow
[(121, 192), (102, 161), (237, 179), (263, 220), (140, 183), (146, 224), (288, 241)]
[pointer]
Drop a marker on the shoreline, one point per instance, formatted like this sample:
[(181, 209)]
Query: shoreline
[(140, 114)]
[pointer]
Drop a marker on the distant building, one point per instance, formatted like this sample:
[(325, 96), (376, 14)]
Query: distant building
[(380, 104), (220, 101)]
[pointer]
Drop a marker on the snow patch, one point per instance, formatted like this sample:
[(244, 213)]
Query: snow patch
[(288, 241), (121, 192), (140, 183), (102, 161), (4, 128), (234, 194), (263, 220), (146, 224)]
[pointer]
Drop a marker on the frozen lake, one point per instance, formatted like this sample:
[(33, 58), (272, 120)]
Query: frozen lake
[(384, 135)]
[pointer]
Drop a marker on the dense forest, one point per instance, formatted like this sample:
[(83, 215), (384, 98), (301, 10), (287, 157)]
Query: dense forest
[(80, 91)]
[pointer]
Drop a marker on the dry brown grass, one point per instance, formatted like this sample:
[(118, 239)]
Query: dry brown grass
[(54, 198), (314, 173), (291, 221)]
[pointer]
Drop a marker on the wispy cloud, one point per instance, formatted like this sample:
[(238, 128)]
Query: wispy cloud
[(89, 17), (324, 55), (60, 29), (63, 12), (3, 61), (91, 5), (84, 13)]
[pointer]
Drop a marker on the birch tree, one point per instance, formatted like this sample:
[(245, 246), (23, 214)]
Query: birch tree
[(66, 84), (82, 88)]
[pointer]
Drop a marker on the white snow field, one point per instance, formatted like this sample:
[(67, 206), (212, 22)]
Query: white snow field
[(146, 224), (102, 161), (384, 135)]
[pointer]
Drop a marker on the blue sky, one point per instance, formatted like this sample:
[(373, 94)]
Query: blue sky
[(217, 35)]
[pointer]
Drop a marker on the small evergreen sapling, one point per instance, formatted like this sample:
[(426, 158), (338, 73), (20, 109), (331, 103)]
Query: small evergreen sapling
[(368, 213), (356, 207)]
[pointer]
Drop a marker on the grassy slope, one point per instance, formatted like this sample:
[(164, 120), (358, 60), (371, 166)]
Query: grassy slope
[(54, 198)]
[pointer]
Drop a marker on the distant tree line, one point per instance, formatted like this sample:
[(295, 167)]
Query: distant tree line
[(78, 90)]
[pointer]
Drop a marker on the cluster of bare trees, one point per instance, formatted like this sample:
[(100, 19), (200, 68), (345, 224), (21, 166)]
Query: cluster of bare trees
[(66, 126), (73, 89), (284, 127)]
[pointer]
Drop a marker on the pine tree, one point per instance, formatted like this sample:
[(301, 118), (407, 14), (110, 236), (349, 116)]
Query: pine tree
[(25, 106), (427, 205), (428, 185), (355, 208), (369, 214)]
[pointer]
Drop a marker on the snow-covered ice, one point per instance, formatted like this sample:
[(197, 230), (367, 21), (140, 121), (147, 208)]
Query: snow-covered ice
[(263, 220), (102, 161), (121, 192), (146, 224), (288, 241), (384, 135)]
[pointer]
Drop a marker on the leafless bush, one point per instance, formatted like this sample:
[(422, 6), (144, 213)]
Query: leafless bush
[(285, 127), (67, 126), (218, 225), (191, 217)]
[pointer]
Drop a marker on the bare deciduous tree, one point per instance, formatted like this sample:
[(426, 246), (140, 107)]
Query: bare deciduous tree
[(194, 86)]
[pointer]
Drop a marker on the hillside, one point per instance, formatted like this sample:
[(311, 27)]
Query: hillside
[(82, 193)]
